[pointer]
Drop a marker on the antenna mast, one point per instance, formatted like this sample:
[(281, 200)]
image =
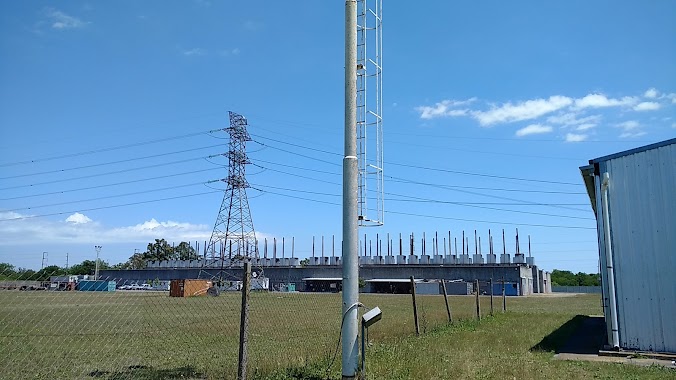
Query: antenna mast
[(370, 112)]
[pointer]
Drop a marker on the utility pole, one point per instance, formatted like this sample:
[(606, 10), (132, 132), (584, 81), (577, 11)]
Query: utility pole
[(350, 298), (96, 271), (44, 260), (66, 261)]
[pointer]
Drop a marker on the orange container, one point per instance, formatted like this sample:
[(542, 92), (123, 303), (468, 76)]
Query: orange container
[(189, 288)]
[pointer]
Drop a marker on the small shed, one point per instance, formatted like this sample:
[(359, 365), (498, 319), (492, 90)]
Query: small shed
[(189, 287), (633, 195)]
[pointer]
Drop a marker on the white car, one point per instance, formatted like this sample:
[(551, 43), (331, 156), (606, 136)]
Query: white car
[(141, 287)]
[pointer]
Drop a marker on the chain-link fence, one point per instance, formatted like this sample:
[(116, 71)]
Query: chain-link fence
[(59, 326)]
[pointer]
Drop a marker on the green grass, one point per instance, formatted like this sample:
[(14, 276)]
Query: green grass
[(66, 335)]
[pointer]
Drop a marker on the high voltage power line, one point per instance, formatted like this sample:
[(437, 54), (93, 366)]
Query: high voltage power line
[(110, 162), (110, 173), (116, 195), (94, 151)]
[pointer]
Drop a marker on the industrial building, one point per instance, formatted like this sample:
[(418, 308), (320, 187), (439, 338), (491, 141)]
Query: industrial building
[(633, 195), (381, 274)]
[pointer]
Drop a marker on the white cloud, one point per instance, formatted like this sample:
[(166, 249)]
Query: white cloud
[(651, 93), (647, 106), (629, 125), (673, 125), (230, 52), (530, 109), (534, 129), (601, 101), (627, 135), (78, 218), (78, 229), (672, 96), (570, 118), (574, 137), (194, 52), (444, 108), (62, 21), (584, 127)]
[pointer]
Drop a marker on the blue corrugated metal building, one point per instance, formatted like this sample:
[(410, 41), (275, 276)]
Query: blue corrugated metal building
[(633, 195)]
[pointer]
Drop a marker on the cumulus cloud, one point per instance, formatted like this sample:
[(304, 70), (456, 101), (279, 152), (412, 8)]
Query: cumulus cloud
[(78, 218), (647, 106), (534, 129), (570, 118), (627, 135), (61, 21), (584, 127), (444, 108), (601, 101), (530, 109), (21, 229), (194, 52), (574, 137), (651, 93), (629, 125)]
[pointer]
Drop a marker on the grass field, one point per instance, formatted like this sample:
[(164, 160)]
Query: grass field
[(120, 335)]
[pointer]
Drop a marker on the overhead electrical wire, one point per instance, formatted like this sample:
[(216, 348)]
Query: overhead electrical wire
[(109, 173), (435, 216), (108, 185), (412, 198), (111, 162), (112, 206), (115, 196), (414, 166), (154, 141)]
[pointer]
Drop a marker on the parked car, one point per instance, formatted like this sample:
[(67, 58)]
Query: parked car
[(141, 287)]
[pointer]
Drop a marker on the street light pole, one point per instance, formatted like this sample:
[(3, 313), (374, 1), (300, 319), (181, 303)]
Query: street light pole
[(96, 271)]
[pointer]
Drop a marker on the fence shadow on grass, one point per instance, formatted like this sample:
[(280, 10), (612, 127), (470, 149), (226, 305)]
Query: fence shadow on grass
[(149, 373), (582, 334)]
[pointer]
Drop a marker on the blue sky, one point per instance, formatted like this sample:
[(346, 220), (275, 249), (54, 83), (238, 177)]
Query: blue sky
[(106, 104)]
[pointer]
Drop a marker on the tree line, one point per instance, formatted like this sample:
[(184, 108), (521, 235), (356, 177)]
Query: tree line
[(160, 250), (568, 278)]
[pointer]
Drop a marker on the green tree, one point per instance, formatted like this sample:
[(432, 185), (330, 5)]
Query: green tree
[(87, 267), (160, 250), (136, 261), (7, 271), (45, 273), (184, 251)]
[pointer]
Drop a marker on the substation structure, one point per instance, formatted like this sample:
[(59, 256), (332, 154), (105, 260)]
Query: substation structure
[(379, 274)]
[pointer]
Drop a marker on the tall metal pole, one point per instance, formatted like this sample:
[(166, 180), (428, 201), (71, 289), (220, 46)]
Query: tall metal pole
[(349, 331), (96, 270)]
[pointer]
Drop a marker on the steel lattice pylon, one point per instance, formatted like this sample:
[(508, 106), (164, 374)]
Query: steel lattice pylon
[(234, 238)]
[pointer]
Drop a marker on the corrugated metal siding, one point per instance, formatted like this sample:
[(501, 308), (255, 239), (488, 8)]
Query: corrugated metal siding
[(642, 204)]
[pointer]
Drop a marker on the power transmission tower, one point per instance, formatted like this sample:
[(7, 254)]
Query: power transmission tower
[(234, 235)]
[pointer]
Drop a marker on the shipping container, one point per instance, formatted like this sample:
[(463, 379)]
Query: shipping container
[(96, 286), (189, 288)]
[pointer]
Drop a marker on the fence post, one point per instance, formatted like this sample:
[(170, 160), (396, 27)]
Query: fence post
[(448, 309), (490, 284), (244, 322), (415, 307), (478, 307), (504, 299)]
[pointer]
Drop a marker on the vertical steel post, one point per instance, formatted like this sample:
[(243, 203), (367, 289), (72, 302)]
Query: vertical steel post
[(244, 322), (350, 297)]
